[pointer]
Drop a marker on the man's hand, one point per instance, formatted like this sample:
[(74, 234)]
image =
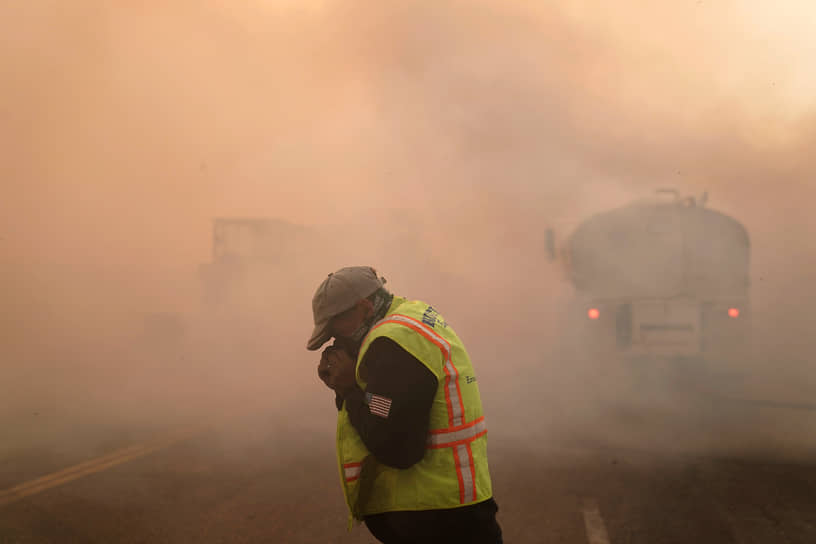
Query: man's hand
[(336, 369), (324, 365)]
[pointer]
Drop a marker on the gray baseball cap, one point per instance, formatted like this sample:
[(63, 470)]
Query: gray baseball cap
[(339, 292)]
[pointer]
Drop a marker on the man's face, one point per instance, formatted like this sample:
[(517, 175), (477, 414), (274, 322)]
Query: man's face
[(343, 325)]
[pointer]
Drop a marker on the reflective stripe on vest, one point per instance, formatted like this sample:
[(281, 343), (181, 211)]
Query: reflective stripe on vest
[(456, 408), (459, 434), (351, 471)]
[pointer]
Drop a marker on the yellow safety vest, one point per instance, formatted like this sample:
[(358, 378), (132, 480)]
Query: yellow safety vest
[(453, 472)]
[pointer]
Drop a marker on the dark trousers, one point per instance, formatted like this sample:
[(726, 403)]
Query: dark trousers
[(474, 524)]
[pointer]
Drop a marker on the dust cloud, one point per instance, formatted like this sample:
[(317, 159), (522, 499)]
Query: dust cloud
[(435, 142)]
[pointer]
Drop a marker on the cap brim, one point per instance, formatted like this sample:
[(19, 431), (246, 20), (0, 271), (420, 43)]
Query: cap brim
[(320, 336)]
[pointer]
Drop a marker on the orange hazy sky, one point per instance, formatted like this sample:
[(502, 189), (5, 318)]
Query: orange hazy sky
[(127, 127)]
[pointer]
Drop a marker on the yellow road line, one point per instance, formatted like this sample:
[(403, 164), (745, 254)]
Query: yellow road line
[(96, 465)]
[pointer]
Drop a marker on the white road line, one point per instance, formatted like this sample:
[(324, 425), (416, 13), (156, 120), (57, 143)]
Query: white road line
[(595, 528)]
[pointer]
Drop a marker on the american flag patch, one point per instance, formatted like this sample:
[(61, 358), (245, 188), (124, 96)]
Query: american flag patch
[(377, 405)]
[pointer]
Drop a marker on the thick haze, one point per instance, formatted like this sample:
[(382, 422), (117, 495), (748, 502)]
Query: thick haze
[(461, 129)]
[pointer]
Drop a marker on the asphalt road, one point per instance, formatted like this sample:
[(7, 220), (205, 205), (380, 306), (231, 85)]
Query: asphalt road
[(644, 476)]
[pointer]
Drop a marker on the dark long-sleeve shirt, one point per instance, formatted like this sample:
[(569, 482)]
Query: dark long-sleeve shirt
[(393, 413)]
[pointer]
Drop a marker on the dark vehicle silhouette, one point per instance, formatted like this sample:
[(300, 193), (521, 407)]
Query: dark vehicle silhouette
[(667, 279)]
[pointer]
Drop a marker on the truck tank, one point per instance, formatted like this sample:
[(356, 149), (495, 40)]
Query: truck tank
[(661, 278)]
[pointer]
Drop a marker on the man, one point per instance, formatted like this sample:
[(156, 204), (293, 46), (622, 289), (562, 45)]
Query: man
[(411, 437)]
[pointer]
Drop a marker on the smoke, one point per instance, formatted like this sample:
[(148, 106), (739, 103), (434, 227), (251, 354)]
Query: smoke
[(433, 141)]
